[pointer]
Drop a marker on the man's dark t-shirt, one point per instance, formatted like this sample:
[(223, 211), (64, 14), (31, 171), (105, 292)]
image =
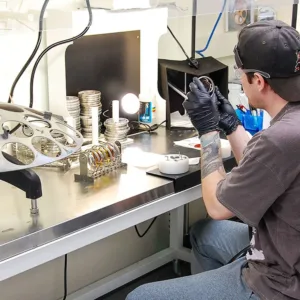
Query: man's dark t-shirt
[(264, 192)]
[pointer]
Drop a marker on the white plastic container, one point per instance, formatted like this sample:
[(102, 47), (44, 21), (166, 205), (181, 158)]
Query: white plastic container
[(174, 164)]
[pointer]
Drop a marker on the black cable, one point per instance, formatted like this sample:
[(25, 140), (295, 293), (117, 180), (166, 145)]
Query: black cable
[(156, 126), (66, 277), (49, 48), (58, 44), (149, 128), (295, 15), (240, 254), (37, 46), (146, 231), (193, 62), (23, 131)]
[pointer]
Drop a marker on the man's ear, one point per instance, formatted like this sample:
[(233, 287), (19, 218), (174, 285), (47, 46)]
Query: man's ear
[(260, 82)]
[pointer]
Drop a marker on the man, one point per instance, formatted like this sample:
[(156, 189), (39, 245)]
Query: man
[(263, 191)]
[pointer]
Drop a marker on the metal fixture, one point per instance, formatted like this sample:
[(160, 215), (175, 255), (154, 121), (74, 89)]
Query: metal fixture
[(63, 165), (33, 138), (34, 207), (99, 160)]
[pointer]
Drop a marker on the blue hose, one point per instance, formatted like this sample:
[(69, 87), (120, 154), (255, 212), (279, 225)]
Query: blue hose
[(213, 31)]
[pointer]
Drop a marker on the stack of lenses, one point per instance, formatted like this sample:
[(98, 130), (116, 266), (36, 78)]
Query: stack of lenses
[(22, 153), (116, 131), (89, 99), (50, 148), (73, 106)]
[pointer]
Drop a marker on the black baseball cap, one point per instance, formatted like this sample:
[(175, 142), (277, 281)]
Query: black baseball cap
[(272, 48)]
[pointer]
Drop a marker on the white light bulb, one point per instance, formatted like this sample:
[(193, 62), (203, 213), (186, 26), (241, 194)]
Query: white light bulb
[(130, 103)]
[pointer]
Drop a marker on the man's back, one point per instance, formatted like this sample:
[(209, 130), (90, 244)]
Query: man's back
[(268, 179)]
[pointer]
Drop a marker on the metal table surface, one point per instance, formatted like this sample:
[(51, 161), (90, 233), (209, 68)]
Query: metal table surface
[(67, 207)]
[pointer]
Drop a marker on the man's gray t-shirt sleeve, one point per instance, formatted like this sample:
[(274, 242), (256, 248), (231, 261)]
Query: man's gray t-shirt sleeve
[(252, 187)]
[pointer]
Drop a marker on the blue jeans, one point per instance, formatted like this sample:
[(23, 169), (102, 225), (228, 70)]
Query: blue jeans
[(214, 244)]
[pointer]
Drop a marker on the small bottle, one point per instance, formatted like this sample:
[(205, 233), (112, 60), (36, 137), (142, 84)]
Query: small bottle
[(154, 109), (146, 108)]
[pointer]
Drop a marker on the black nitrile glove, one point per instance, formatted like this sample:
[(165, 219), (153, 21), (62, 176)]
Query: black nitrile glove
[(202, 108), (228, 118)]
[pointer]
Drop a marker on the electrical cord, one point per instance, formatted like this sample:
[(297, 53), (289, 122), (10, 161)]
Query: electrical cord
[(51, 47), (148, 127), (66, 277), (156, 126), (239, 255), (193, 62), (146, 231), (213, 31), (35, 50), (58, 44)]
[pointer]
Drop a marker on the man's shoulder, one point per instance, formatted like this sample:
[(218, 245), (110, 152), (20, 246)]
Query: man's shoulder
[(279, 144), (287, 126), (284, 134)]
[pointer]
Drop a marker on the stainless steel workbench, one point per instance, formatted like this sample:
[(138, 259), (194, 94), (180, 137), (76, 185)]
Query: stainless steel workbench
[(73, 215), (67, 206)]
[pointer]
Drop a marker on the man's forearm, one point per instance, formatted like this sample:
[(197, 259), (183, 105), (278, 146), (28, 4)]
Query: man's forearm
[(211, 158), (212, 172), (238, 141)]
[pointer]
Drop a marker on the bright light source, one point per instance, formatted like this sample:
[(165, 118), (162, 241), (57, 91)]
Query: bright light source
[(130, 103)]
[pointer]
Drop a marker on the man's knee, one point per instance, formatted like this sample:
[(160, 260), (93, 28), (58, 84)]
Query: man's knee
[(145, 291), (132, 296), (136, 294)]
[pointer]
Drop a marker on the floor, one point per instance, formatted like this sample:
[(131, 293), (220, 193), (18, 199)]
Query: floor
[(163, 273)]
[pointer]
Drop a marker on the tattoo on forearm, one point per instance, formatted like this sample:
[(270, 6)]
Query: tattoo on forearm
[(211, 158)]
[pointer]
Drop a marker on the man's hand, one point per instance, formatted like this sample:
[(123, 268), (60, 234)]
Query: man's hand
[(202, 108), (228, 118)]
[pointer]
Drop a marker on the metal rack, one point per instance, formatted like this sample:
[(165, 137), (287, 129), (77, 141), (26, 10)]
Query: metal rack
[(99, 160)]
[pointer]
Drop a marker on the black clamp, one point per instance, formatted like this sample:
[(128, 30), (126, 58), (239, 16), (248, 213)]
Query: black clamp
[(48, 115)]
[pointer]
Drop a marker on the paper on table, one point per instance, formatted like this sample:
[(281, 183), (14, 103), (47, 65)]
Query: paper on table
[(194, 143), (140, 159), (177, 120)]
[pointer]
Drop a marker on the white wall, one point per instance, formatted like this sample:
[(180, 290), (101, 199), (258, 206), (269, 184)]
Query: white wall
[(15, 49), (222, 44), (16, 46)]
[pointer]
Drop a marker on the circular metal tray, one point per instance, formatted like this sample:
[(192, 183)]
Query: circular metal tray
[(27, 137)]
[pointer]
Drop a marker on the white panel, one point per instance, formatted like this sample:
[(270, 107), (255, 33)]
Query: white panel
[(106, 22)]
